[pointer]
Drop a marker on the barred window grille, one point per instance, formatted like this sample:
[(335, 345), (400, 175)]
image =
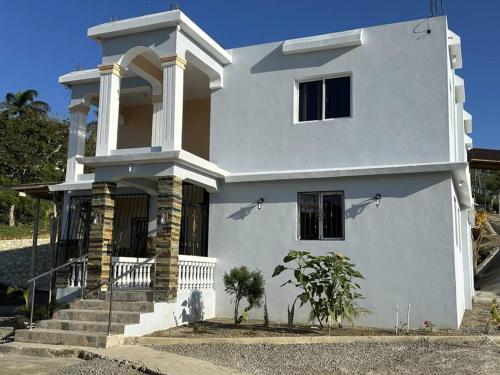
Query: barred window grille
[(321, 215)]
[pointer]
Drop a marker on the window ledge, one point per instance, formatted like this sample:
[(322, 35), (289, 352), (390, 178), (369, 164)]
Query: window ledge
[(324, 122)]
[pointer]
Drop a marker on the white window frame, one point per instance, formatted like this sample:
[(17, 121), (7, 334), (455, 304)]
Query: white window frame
[(320, 221), (323, 78)]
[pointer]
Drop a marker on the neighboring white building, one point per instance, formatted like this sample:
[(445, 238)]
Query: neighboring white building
[(317, 127)]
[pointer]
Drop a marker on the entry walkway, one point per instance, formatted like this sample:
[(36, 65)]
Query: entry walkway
[(24, 364), (164, 362)]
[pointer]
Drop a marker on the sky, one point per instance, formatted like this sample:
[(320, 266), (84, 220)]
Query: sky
[(42, 40)]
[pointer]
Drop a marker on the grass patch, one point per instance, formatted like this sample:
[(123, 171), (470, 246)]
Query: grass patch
[(22, 231)]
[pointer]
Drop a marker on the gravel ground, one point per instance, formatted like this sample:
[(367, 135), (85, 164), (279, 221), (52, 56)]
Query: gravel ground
[(98, 367), (219, 327), (365, 358)]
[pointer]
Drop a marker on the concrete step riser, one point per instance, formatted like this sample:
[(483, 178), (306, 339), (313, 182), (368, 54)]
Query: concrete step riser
[(97, 316), (142, 307), (129, 296), (61, 338), (76, 326)]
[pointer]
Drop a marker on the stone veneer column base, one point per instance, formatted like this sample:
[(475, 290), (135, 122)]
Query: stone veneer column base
[(101, 234), (167, 238)]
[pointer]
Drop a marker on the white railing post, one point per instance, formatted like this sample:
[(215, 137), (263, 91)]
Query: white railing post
[(196, 272)]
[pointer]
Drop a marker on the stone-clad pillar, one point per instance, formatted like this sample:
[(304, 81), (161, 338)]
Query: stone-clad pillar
[(173, 98), (101, 233), (167, 237), (109, 105), (76, 140)]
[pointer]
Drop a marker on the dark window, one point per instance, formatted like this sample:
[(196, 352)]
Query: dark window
[(338, 97), (321, 216), (310, 101), (335, 103)]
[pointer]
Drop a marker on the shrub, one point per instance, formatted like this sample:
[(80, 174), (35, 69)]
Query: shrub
[(327, 284), (495, 314), (242, 283), (481, 219)]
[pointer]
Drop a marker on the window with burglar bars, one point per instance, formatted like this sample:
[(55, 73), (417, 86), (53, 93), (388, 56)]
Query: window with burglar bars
[(321, 216), (194, 221)]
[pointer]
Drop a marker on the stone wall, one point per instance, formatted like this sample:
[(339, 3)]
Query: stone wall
[(15, 262)]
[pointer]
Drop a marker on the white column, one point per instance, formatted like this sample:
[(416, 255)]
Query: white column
[(173, 97), (158, 125), (109, 105), (76, 142)]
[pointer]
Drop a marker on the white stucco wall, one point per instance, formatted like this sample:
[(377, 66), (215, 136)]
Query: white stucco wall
[(399, 103), (404, 248)]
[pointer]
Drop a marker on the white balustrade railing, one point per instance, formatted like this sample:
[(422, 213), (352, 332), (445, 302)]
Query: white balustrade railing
[(196, 272), (75, 274), (138, 279)]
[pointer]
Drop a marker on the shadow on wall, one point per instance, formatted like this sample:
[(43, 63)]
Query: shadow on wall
[(357, 209), (276, 60), (243, 212), (193, 308)]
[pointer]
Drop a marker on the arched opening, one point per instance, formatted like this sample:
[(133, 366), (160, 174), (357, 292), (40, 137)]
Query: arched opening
[(196, 113), (142, 82)]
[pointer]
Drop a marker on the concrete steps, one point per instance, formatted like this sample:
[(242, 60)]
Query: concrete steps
[(128, 296), (96, 304), (478, 320), (97, 316), (85, 322), (81, 326), (60, 337)]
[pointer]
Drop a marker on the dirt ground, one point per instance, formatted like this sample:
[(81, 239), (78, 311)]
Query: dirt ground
[(226, 328), (362, 358)]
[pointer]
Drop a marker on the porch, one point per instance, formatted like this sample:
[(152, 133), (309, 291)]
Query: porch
[(136, 222)]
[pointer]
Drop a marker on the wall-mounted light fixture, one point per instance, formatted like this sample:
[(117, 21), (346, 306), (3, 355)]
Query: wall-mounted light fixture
[(377, 198), (259, 203), (163, 218), (98, 217)]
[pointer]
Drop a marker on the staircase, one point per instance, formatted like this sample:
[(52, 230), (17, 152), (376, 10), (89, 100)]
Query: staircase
[(479, 320), (85, 323)]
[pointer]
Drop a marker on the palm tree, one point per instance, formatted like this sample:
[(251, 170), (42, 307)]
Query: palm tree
[(23, 102)]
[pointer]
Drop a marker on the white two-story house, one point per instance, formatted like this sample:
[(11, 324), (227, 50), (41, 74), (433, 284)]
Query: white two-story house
[(212, 158)]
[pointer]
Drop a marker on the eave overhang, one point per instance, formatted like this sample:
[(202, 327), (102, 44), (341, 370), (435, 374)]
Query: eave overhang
[(343, 172), (455, 50), (86, 76), (467, 122), (459, 90), (180, 157)]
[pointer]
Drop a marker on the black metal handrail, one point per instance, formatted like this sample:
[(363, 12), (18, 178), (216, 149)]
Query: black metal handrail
[(114, 280), (49, 272)]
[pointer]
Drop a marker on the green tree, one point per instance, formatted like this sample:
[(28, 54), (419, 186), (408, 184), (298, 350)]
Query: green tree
[(22, 103), (32, 149), (241, 283), (327, 283)]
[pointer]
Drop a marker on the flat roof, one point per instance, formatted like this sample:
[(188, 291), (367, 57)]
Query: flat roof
[(157, 21), (35, 190), (483, 158)]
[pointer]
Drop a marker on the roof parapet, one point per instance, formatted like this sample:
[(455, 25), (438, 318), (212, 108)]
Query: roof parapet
[(157, 21)]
